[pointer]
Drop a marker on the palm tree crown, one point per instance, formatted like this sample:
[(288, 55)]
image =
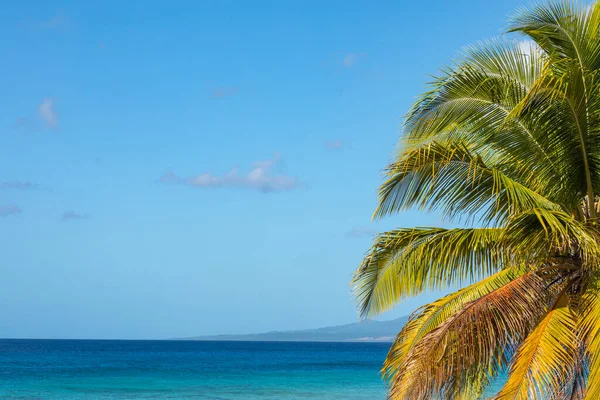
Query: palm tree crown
[(507, 141)]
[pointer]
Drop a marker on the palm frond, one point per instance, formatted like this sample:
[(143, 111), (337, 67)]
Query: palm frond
[(569, 33), (473, 104), (474, 342), (589, 327), (540, 233), (563, 29), (575, 382), (542, 361), (452, 178), (404, 262), (429, 317)]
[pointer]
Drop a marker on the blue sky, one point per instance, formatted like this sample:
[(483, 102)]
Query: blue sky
[(180, 168)]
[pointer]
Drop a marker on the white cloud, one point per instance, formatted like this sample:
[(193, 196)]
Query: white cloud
[(351, 59), (360, 231), (261, 177), (47, 112), (72, 215), (5, 211), (336, 144)]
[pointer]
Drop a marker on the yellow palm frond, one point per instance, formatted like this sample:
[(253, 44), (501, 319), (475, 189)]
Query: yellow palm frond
[(589, 327), (429, 317), (474, 342), (542, 361)]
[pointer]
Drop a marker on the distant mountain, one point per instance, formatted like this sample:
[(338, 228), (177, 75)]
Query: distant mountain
[(365, 331)]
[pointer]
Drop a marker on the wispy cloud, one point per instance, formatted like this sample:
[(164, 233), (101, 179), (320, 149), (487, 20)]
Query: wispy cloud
[(336, 144), (351, 59), (18, 185), (225, 91), (261, 177), (11, 209), (45, 117), (72, 215), (47, 112), (360, 231)]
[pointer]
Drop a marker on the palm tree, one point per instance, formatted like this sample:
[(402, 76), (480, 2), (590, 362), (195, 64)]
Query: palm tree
[(507, 142)]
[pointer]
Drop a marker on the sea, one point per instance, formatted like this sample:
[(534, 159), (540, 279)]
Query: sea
[(128, 369)]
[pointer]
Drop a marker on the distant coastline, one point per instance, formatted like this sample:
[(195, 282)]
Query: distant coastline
[(365, 331)]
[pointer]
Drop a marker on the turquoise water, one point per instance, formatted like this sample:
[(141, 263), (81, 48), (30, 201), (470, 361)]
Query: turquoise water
[(98, 369), (82, 369)]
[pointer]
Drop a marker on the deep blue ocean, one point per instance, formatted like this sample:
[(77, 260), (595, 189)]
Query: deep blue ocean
[(105, 369)]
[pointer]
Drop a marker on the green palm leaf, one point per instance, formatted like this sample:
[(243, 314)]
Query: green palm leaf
[(405, 262)]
